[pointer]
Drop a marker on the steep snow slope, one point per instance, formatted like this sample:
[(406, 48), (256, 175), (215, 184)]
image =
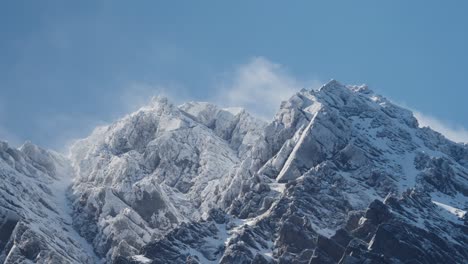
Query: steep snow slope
[(35, 221)]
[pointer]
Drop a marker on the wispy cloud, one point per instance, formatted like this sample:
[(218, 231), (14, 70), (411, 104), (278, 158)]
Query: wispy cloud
[(453, 132), (137, 95), (259, 86), (63, 129), (75, 126)]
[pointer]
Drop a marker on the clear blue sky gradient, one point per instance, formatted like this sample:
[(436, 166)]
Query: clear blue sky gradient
[(63, 62)]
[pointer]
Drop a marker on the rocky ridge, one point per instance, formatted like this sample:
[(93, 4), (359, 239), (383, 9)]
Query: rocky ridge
[(341, 175)]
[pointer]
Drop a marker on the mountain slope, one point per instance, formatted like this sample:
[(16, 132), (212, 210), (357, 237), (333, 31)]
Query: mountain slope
[(325, 159), (35, 221), (341, 175), (154, 169)]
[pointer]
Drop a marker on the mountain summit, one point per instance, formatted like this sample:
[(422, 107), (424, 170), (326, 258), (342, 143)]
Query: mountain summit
[(341, 175)]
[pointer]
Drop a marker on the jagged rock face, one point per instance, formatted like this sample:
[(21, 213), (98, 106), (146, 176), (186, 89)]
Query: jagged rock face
[(35, 225), (388, 232), (327, 156), (341, 175), (155, 169)]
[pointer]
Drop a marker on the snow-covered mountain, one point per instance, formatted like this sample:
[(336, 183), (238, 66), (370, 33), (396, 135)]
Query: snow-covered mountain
[(35, 218), (341, 175)]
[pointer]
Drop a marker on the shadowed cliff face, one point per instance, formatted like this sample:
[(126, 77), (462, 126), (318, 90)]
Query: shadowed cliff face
[(8, 222), (341, 175)]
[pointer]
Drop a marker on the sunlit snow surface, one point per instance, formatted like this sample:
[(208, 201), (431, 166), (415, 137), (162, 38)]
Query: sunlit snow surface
[(455, 211), (141, 259)]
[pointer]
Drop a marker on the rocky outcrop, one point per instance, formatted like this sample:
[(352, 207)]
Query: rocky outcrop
[(341, 175), (328, 161), (35, 222)]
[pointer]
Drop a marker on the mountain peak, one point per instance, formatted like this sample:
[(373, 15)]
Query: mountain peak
[(332, 84), (160, 103), (159, 99), (332, 177)]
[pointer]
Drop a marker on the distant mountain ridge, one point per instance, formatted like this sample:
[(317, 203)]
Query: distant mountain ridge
[(341, 175)]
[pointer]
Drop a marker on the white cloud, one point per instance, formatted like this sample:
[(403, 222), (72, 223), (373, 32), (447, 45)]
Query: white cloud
[(260, 86), (452, 132)]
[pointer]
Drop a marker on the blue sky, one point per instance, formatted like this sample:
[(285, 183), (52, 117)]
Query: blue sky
[(66, 66)]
